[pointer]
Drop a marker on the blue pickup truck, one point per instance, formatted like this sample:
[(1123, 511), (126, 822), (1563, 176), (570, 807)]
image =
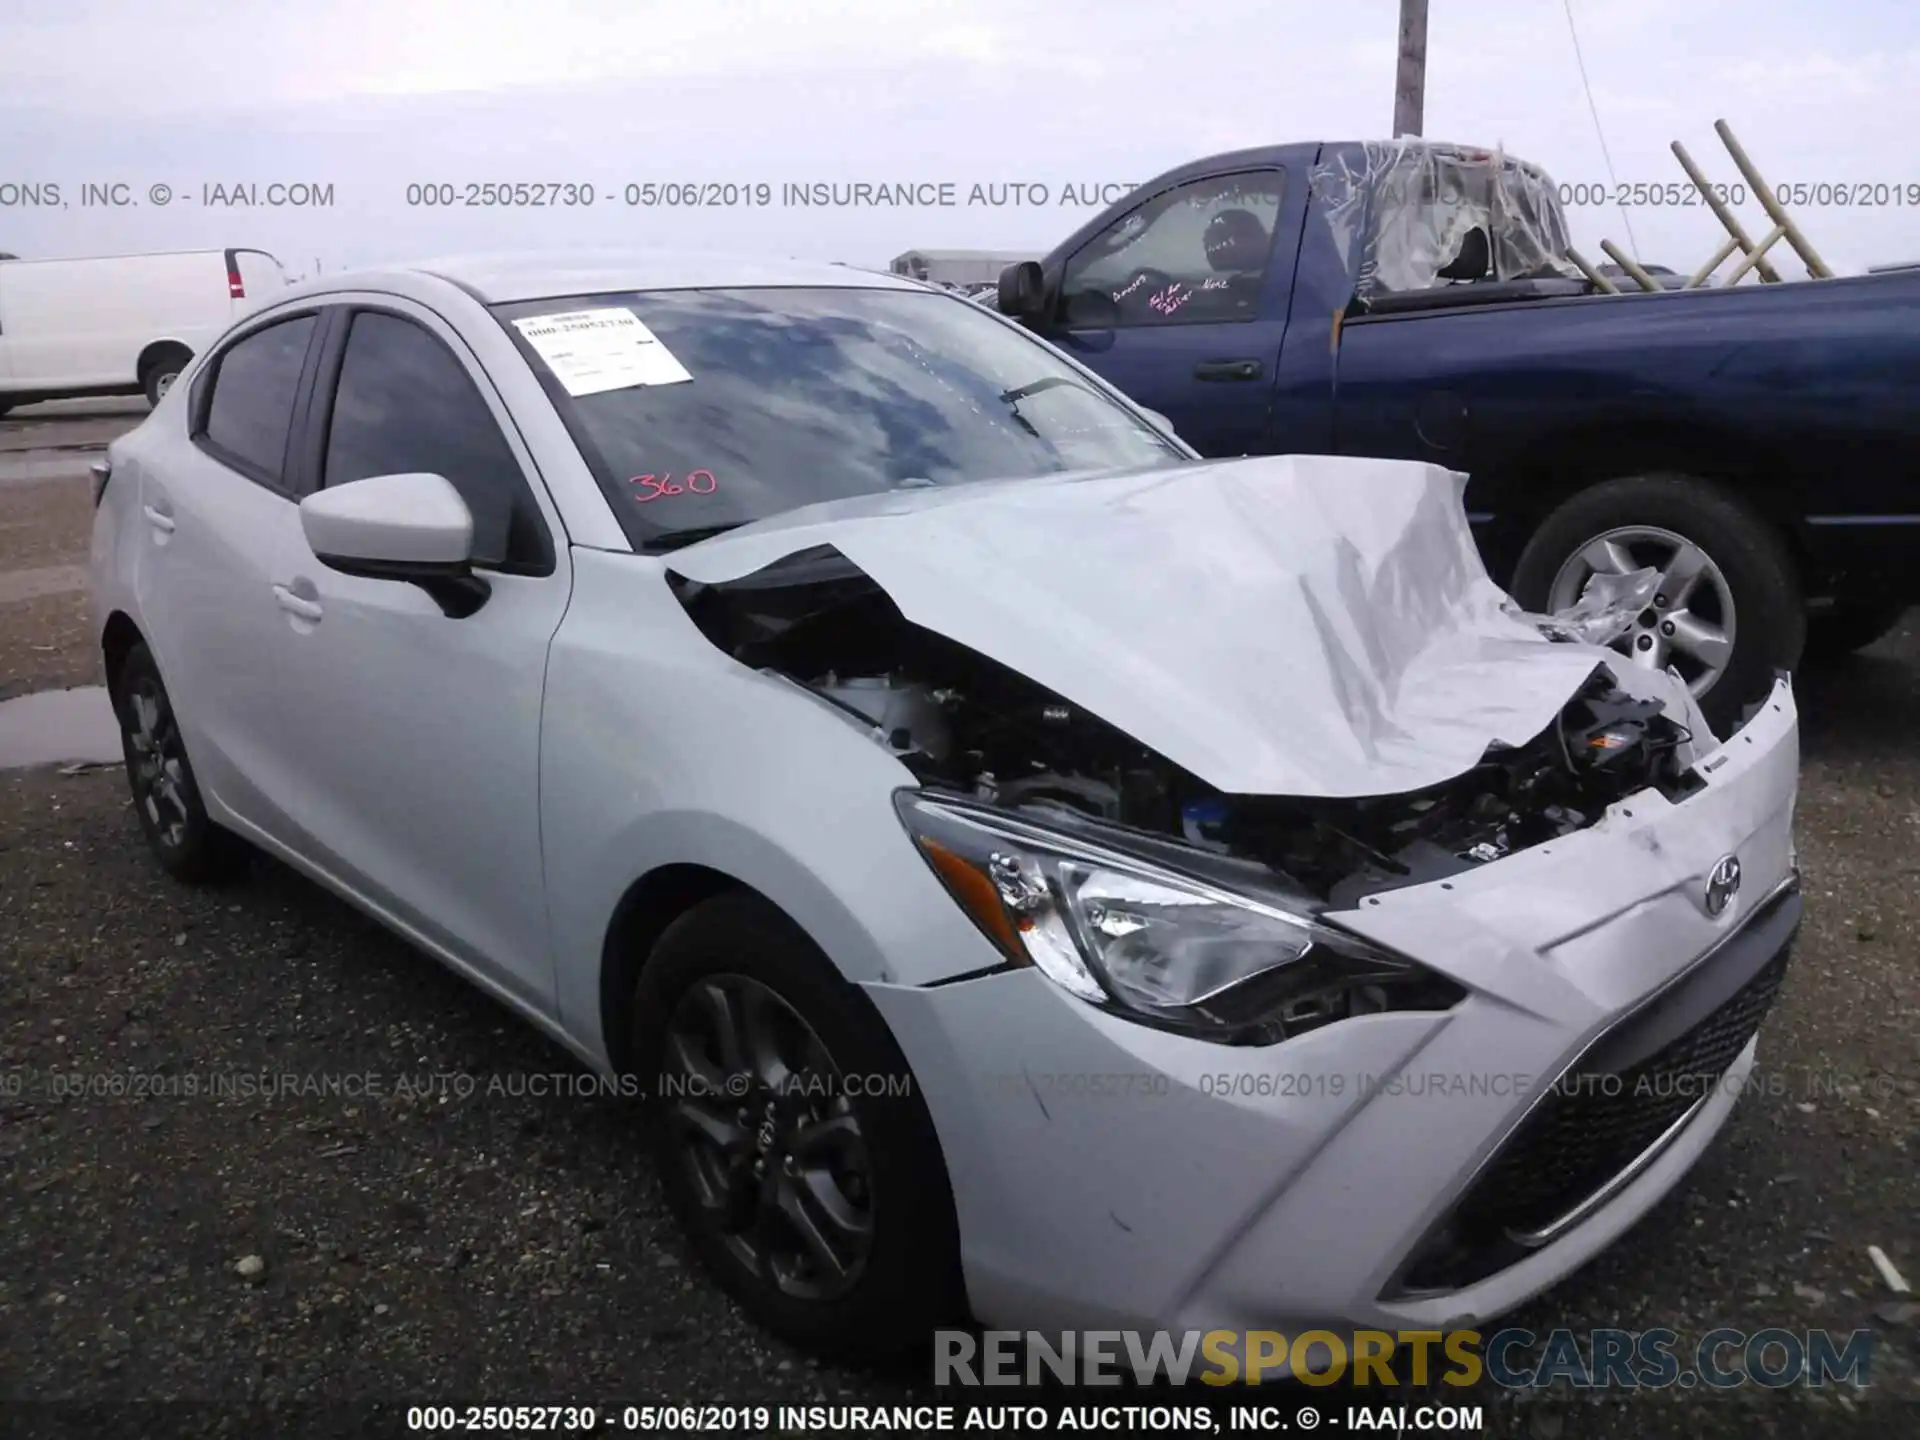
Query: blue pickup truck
[(1757, 444)]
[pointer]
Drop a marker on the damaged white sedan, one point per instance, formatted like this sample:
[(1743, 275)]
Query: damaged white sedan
[(1027, 870)]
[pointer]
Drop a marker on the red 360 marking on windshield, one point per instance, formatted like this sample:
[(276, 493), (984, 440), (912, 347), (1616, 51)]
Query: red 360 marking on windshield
[(652, 487)]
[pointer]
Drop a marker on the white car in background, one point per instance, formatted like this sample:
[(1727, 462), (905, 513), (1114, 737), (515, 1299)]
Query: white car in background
[(120, 324), (1030, 870)]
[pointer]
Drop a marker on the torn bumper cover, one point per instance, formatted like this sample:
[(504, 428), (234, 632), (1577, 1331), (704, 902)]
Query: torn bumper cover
[(1400, 1170), (1605, 610), (1297, 626)]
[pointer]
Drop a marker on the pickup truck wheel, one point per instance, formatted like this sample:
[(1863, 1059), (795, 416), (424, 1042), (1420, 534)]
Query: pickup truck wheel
[(1846, 628), (1729, 611)]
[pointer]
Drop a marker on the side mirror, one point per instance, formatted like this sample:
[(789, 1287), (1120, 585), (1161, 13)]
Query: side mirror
[(1093, 309), (410, 527), (1023, 291)]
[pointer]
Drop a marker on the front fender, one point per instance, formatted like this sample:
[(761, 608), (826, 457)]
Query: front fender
[(658, 749)]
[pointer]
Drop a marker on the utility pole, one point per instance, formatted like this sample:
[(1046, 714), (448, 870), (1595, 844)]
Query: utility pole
[(1410, 80)]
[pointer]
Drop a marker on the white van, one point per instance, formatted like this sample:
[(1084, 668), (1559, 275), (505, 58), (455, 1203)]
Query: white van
[(119, 324)]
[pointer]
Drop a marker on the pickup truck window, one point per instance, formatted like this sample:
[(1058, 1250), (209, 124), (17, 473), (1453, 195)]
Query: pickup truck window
[(1410, 215), (1196, 253)]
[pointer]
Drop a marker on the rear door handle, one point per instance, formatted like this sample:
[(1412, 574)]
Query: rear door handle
[(1228, 370), (297, 605), (159, 519)]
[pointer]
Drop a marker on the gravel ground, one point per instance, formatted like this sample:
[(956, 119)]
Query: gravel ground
[(417, 1244)]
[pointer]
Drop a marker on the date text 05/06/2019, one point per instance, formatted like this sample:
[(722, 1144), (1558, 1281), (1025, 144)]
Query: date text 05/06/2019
[(763, 194), (1044, 1419)]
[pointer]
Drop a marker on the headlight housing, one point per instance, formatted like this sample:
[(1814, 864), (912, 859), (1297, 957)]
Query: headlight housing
[(1250, 964)]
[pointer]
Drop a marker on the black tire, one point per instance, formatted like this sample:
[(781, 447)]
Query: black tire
[(161, 372), (904, 1280), (1837, 633), (188, 845), (1760, 574)]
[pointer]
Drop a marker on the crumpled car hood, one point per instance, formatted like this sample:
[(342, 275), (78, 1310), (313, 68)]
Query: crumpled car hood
[(1296, 625)]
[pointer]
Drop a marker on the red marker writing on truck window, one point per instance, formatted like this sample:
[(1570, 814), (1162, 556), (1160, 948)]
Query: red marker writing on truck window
[(652, 487), (1170, 299)]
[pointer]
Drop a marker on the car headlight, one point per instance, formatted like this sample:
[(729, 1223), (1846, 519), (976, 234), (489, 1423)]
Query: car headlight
[(1128, 933)]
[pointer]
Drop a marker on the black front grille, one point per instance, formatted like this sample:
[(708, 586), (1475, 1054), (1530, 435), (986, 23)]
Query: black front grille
[(1584, 1131), (1591, 1126)]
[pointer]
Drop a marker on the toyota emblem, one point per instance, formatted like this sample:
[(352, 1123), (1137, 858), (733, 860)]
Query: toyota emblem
[(1723, 883)]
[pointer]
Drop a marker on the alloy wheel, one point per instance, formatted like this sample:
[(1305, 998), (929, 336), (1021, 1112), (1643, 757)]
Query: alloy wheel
[(1690, 622), (158, 771), (768, 1137)]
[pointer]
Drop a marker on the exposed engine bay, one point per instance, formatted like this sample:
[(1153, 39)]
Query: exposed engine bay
[(966, 724)]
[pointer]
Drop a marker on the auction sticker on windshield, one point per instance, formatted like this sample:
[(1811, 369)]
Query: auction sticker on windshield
[(606, 349)]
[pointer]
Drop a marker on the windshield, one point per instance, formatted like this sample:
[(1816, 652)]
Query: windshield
[(705, 409)]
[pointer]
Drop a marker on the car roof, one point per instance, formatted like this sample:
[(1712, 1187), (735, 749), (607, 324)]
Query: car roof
[(540, 275)]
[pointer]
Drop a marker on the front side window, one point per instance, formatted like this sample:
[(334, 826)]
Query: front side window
[(756, 401), (405, 404), (1199, 252), (255, 385)]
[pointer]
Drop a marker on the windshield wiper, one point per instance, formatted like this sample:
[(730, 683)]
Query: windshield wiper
[(1012, 398), (1015, 396), (692, 535)]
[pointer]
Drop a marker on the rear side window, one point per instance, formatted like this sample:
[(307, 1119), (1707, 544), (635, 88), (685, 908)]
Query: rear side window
[(405, 404), (254, 389)]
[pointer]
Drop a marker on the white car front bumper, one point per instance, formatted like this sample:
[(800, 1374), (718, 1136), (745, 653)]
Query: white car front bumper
[(1395, 1171)]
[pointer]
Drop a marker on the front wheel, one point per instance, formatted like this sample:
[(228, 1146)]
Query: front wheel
[(1728, 613), (793, 1144)]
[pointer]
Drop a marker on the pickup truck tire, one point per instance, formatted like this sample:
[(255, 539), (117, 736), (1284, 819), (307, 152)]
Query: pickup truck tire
[(1728, 559), (1847, 628)]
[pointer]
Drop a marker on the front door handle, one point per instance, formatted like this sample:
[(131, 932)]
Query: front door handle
[(298, 605), (1228, 370), (159, 519)]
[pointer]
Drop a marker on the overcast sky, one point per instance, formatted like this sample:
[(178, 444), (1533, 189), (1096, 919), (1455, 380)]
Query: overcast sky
[(370, 95)]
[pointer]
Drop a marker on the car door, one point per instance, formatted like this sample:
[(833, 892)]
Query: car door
[(413, 738), (1182, 304), (215, 498)]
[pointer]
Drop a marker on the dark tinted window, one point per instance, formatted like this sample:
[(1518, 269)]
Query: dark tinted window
[(253, 395), (405, 404), (801, 395), (1198, 252)]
